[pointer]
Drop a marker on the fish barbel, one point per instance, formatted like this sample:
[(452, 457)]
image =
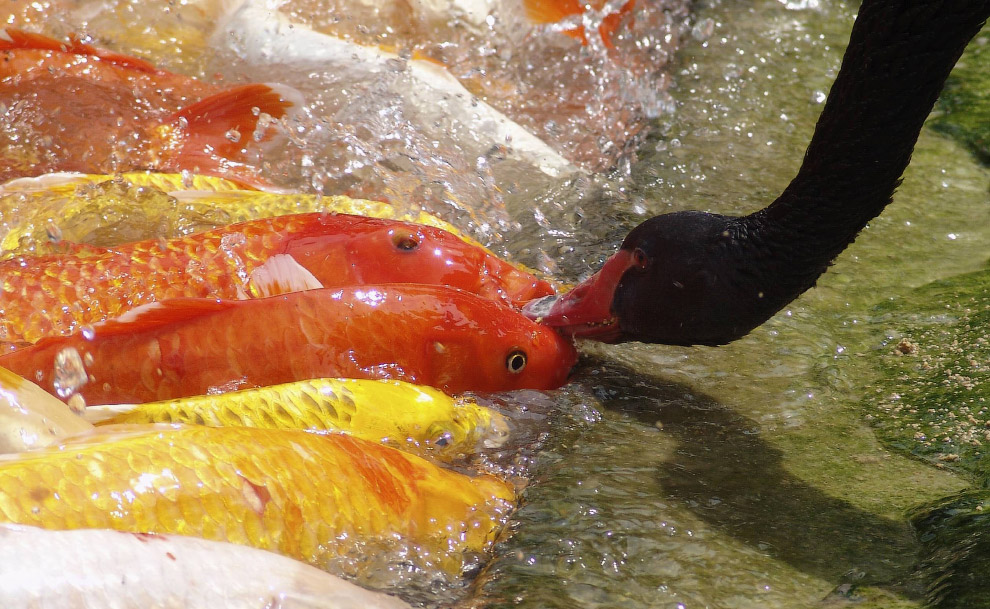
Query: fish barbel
[(329, 500), (99, 568), (38, 214), (57, 294), (118, 113), (31, 418), (420, 420), (429, 335)]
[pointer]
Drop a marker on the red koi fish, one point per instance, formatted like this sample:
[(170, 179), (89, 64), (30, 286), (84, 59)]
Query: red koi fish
[(429, 335), (57, 294), (73, 107)]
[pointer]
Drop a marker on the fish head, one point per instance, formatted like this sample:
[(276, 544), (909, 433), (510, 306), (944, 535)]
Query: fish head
[(496, 348), (376, 250), (469, 429)]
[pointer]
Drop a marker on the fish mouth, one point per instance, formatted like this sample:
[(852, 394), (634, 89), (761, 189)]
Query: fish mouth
[(502, 281), (585, 311)]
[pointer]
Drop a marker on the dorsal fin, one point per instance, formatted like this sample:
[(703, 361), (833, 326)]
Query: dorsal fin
[(159, 314), (278, 275), (12, 38), (146, 317)]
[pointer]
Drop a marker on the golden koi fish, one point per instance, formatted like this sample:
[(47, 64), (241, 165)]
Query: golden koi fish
[(107, 211), (410, 417), (333, 501)]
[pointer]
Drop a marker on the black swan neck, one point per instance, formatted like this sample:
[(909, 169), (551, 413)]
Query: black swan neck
[(899, 55)]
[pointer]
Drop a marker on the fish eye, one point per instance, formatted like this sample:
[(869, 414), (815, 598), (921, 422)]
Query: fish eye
[(640, 259), (443, 440), (516, 362), (405, 241)]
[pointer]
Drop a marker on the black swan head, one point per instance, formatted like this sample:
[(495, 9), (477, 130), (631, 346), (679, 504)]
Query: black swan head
[(698, 278)]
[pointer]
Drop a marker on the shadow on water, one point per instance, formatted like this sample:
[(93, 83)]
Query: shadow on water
[(737, 483)]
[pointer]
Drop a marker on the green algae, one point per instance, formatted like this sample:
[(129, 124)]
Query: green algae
[(964, 106), (935, 358)]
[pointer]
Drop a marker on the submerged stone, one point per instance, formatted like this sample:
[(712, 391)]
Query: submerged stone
[(955, 533)]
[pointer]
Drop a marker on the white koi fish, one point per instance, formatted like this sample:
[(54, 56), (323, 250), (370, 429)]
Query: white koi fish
[(97, 568)]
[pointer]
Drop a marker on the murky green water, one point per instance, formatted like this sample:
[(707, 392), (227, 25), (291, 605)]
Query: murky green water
[(746, 475)]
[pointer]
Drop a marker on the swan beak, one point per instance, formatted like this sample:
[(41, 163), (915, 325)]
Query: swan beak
[(585, 311)]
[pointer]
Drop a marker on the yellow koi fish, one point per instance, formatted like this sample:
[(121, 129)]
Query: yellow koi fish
[(333, 501), (414, 418), (106, 211)]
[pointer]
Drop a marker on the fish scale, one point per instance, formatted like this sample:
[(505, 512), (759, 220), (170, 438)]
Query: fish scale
[(57, 294), (316, 498)]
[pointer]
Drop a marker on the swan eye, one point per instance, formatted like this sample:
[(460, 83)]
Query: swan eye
[(405, 241), (516, 362), (640, 259)]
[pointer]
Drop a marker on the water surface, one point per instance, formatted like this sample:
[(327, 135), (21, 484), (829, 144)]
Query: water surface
[(744, 475)]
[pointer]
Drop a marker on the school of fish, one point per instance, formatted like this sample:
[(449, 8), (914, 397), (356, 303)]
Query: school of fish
[(276, 377)]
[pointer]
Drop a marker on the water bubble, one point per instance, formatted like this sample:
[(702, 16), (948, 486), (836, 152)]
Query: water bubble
[(233, 135), (77, 403), (703, 29), (70, 373)]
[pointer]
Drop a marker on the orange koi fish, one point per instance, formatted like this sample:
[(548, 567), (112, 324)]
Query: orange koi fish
[(332, 501), (429, 335), (69, 106), (57, 294)]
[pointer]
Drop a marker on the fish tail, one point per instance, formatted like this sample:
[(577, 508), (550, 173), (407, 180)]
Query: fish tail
[(210, 136), (12, 38), (611, 23), (552, 11)]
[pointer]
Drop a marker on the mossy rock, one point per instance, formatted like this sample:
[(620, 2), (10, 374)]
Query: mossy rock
[(932, 396), (955, 535), (963, 111)]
